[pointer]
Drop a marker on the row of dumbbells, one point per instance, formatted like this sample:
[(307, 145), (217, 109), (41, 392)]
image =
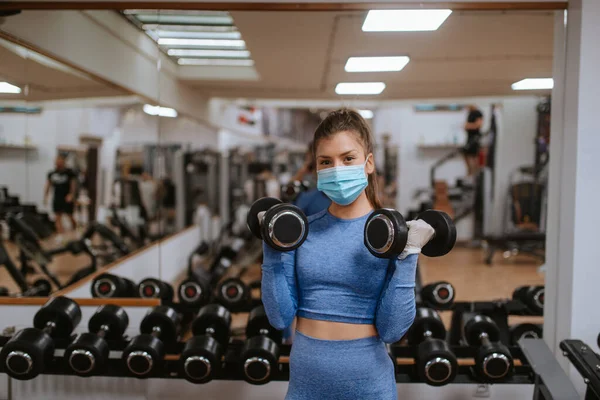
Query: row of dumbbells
[(31, 351), (194, 292), (284, 227), (435, 362)]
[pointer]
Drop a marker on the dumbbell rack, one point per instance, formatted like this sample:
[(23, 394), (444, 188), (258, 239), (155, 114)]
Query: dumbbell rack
[(405, 372)]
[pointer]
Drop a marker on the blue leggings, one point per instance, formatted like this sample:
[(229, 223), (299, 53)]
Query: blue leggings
[(340, 370)]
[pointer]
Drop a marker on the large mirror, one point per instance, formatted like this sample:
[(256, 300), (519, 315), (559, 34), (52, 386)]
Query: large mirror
[(165, 126)]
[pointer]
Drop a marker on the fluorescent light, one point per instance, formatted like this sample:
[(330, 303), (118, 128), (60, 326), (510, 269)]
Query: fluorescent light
[(189, 28), (367, 64), (184, 19), (221, 62), (201, 42), (197, 35), (533, 84), (359, 87), (404, 20), (209, 53), (160, 111), (366, 114), (6, 87)]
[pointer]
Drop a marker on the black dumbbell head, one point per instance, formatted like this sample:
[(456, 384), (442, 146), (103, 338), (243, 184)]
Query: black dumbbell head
[(87, 354), (426, 320), (194, 293), (4, 291), (284, 227), (260, 205), (151, 288), (108, 286), (445, 233), (42, 287), (385, 233), (200, 359), (525, 330), (436, 364), (259, 357), (535, 299), (478, 325), (519, 293), (27, 353), (439, 295), (62, 312), (113, 317), (233, 293), (494, 362), (144, 355), (213, 320), (165, 319), (258, 325)]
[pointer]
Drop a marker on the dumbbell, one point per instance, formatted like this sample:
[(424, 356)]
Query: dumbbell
[(198, 257), (195, 291), (436, 363), (493, 361), (201, 356), (225, 257), (283, 227), (108, 286), (87, 354), (260, 353), (151, 288), (438, 295), (532, 297), (28, 352), (145, 353), (4, 292), (386, 233), (233, 293), (526, 330)]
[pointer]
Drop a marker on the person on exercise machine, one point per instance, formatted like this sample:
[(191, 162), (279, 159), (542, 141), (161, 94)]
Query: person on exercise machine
[(64, 183), (312, 200), (348, 302), (473, 129)]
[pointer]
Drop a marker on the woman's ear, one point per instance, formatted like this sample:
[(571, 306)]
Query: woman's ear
[(370, 165)]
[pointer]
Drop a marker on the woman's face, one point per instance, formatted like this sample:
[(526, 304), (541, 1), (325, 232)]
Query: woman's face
[(343, 148)]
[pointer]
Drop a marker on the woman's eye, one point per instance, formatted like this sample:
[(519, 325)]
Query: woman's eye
[(349, 159), (325, 162)]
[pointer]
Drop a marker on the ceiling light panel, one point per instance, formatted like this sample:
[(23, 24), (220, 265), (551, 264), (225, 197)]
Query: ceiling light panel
[(6, 87), (216, 62), (215, 43), (533, 84), (194, 37), (404, 20), (359, 88), (376, 64)]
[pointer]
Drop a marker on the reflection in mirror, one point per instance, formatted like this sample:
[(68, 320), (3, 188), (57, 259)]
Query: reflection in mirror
[(56, 128)]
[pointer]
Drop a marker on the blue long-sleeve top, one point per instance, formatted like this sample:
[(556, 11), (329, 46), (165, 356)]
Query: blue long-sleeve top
[(333, 277)]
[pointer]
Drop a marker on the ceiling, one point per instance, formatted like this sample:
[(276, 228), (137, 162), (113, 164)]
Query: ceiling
[(47, 79), (302, 55)]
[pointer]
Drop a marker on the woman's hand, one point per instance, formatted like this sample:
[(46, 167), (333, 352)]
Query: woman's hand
[(419, 234)]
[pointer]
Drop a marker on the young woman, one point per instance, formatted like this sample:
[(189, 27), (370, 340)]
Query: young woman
[(348, 302)]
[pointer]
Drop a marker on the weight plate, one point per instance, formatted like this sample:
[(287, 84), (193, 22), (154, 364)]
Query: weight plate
[(258, 206), (445, 233), (385, 233)]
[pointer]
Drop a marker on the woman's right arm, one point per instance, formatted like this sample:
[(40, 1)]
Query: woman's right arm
[(279, 287)]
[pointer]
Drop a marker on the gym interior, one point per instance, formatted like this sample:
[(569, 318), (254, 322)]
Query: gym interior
[(139, 140)]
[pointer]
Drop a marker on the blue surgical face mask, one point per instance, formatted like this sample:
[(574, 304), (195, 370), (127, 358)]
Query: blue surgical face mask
[(343, 184)]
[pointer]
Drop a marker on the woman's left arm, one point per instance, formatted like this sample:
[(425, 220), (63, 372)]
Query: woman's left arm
[(396, 309)]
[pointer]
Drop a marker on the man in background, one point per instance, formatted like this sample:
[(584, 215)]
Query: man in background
[(473, 129), (64, 184)]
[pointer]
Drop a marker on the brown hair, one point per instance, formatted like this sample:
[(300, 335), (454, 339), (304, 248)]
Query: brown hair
[(346, 119)]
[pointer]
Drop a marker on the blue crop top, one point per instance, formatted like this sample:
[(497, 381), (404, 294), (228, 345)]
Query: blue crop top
[(333, 277)]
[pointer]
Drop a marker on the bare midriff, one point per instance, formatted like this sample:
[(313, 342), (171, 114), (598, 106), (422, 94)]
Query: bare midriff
[(328, 330)]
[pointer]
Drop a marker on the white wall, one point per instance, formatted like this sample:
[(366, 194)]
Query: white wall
[(409, 129)]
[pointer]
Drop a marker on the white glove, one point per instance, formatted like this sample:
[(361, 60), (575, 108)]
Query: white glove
[(419, 234)]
